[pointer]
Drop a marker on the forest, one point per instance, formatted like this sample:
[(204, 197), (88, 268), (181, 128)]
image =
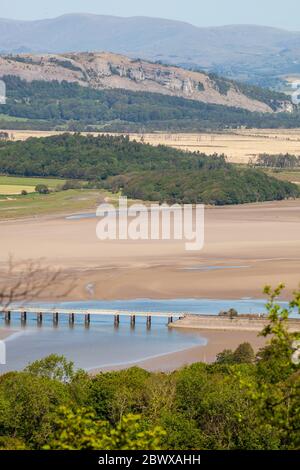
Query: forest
[(241, 401), (142, 171), (219, 186), (279, 161), (69, 106)]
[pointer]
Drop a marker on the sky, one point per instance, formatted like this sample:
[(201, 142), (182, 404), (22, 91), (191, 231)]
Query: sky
[(282, 14)]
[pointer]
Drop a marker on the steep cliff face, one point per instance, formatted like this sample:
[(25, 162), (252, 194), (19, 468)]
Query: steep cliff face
[(106, 70)]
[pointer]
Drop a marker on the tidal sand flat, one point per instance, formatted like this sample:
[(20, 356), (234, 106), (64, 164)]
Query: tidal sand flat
[(217, 341), (261, 241)]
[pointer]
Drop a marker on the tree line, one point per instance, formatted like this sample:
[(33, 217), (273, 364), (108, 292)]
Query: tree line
[(228, 185), (69, 106), (280, 160), (242, 401), (140, 170)]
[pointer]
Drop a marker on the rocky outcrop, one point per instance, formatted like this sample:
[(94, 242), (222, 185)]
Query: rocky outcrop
[(105, 71)]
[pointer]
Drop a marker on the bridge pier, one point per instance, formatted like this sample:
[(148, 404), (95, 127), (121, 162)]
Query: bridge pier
[(23, 317), (132, 321), (85, 314), (7, 317)]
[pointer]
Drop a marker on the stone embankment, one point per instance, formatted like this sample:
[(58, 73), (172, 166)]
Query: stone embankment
[(242, 323)]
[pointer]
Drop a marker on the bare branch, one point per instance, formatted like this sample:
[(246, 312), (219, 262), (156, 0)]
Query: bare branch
[(25, 281)]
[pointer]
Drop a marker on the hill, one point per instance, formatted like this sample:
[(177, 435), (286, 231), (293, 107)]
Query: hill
[(248, 52), (102, 71), (142, 171)]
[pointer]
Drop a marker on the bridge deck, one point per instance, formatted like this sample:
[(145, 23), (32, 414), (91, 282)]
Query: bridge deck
[(97, 312)]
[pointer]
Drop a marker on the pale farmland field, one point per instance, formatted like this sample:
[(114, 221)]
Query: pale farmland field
[(12, 189), (239, 146), (12, 185)]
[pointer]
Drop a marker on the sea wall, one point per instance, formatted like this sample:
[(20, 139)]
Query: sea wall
[(210, 322)]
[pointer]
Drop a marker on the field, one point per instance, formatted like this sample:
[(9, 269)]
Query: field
[(13, 205), (5, 117), (35, 204), (12, 189), (10, 185), (286, 175), (239, 146), (21, 181)]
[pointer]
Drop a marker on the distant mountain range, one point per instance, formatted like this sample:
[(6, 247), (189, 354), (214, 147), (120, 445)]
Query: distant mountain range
[(254, 53)]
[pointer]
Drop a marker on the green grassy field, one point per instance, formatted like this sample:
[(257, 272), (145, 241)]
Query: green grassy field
[(11, 185), (35, 204), (293, 176), (14, 205), (21, 181), (6, 117)]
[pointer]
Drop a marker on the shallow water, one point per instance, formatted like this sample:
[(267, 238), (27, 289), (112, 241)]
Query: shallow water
[(101, 344), (104, 345), (204, 306), (213, 268)]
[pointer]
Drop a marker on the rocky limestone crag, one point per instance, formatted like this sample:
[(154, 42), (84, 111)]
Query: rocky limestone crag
[(108, 71)]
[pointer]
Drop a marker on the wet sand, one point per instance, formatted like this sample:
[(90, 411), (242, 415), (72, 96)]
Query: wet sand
[(6, 332), (217, 341), (246, 247)]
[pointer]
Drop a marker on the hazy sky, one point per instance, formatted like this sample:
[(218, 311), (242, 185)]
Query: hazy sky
[(284, 14)]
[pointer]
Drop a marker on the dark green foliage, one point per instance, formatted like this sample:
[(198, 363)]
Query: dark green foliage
[(27, 404), (42, 189), (280, 160), (226, 357), (271, 98), (67, 64), (69, 106), (117, 393), (81, 430), (200, 86), (71, 184), (76, 156), (228, 185), (231, 313), (234, 404), (52, 367), (140, 170), (11, 443), (221, 84), (22, 59), (244, 354)]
